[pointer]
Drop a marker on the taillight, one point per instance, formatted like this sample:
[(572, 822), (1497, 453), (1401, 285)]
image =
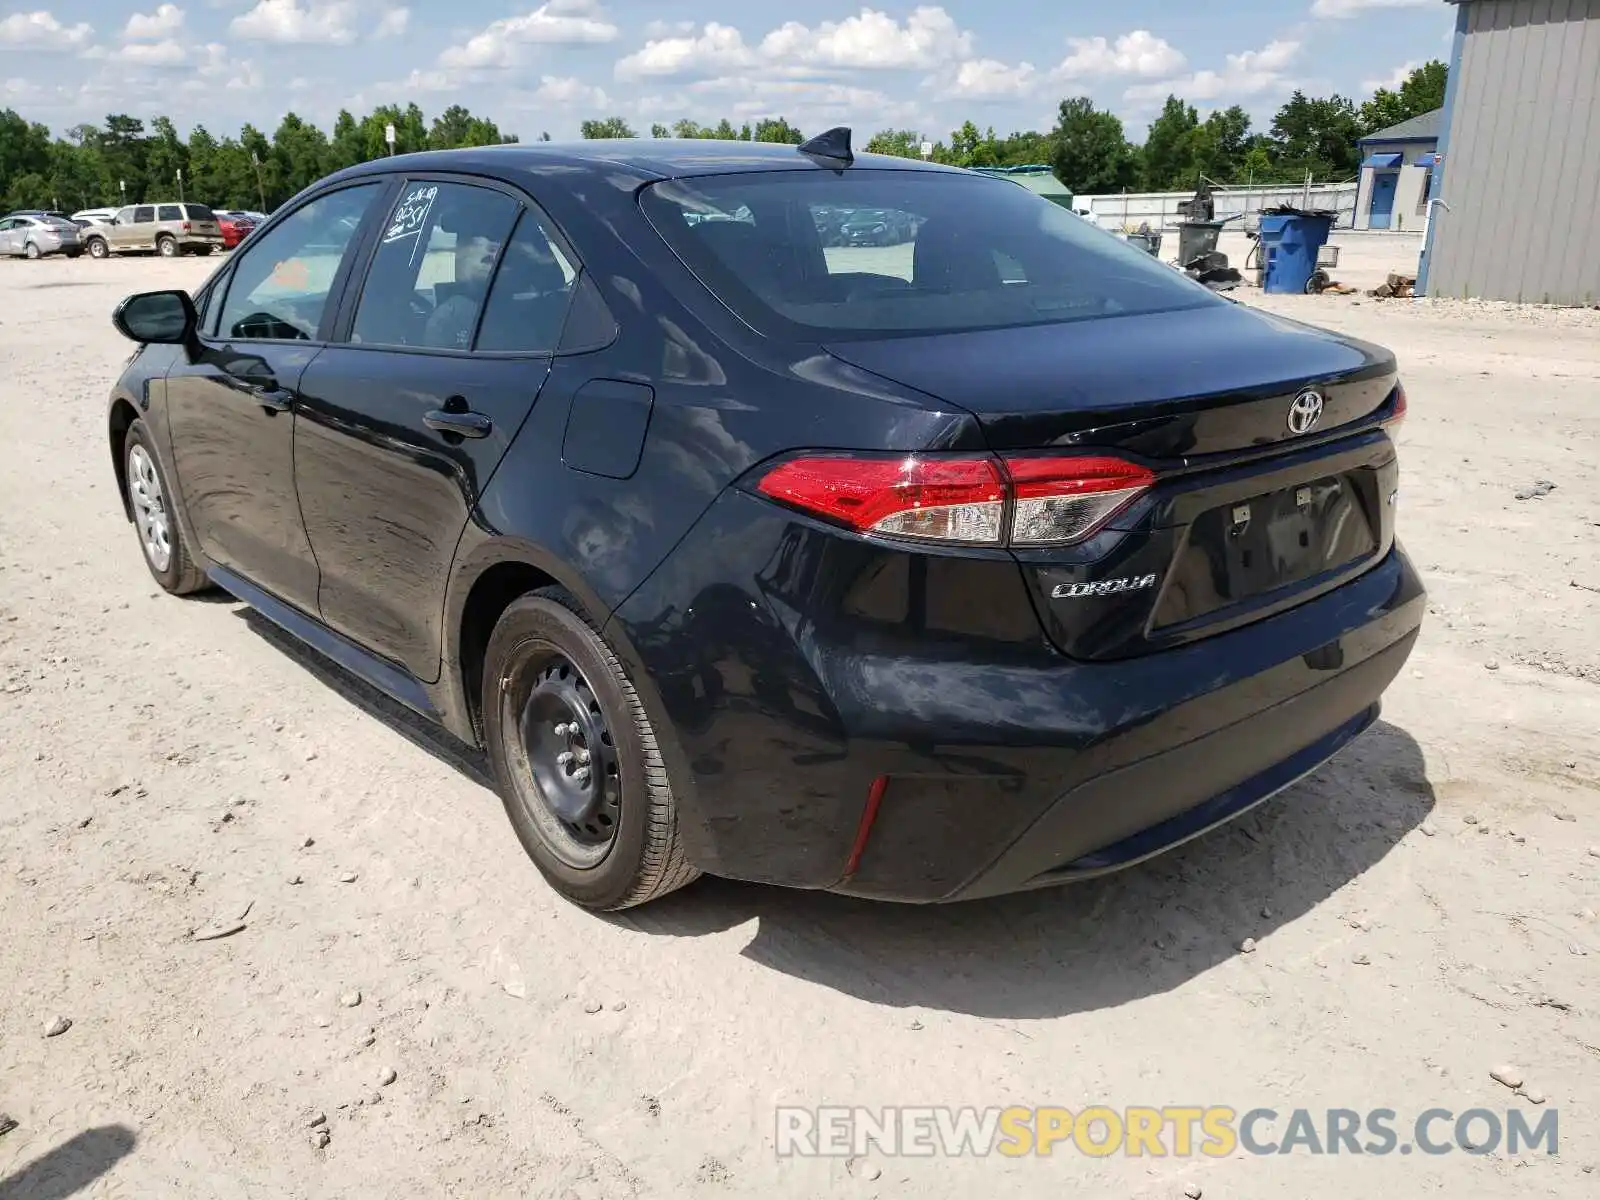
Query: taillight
[(935, 499), (1051, 500), (186, 227), (1392, 421), (1067, 499)]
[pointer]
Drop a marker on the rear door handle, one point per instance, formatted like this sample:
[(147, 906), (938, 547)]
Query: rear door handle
[(462, 424), (271, 397)]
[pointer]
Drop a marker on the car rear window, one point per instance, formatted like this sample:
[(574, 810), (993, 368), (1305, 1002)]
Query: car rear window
[(169, 212), (199, 212), (865, 253)]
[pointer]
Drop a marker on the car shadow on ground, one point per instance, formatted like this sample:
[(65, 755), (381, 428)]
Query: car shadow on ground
[(72, 1166), (1086, 946), (1091, 945)]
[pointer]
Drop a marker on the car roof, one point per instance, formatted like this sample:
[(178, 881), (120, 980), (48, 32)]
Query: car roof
[(645, 160)]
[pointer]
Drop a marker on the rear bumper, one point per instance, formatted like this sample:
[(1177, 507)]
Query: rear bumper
[(1008, 766)]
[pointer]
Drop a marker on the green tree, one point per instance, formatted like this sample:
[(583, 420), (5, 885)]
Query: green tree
[(777, 129), (456, 126), (1422, 92), (657, 130), (610, 127), (1169, 148), (1091, 152), (1317, 135), (299, 154), (1218, 146), (902, 143)]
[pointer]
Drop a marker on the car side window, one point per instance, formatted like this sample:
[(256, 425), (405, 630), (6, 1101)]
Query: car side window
[(531, 293), (144, 214), (431, 270), (124, 216), (280, 286), (169, 212)]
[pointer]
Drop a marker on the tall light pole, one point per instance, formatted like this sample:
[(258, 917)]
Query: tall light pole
[(180, 185), (261, 190), (388, 136)]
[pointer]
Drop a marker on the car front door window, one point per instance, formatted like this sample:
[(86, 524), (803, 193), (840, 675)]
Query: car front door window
[(280, 287)]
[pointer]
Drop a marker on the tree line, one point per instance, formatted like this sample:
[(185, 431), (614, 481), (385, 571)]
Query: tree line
[(122, 161)]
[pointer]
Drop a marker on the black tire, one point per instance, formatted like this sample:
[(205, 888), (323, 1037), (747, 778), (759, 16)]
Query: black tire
[(167, 246), (98, 249), (179, 576), (204, 251), (640, 855)]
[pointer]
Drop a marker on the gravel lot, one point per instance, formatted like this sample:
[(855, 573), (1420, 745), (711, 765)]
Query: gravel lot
[(1422, 909)]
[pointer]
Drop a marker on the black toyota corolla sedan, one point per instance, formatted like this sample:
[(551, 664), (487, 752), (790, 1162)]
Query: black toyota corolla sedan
[(990, 555)]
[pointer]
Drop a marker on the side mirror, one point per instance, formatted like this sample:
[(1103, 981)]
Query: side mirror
[(166, 318)]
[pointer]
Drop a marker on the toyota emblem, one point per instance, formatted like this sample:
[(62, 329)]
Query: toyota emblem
[(1305, 412)]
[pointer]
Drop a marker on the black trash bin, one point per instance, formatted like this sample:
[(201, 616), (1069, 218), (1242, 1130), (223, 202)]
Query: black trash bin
[(1197, 238)]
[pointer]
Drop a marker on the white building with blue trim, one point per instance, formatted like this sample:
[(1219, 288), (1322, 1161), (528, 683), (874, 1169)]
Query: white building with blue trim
[(1397, 169)]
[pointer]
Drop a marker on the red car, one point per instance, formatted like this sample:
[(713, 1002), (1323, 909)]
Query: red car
[(234, 229)]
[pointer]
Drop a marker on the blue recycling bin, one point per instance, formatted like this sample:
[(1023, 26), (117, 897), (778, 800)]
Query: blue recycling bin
[(1289, 246)]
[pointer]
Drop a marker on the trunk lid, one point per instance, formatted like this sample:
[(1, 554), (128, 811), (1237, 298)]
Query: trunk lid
[(1250, 514)]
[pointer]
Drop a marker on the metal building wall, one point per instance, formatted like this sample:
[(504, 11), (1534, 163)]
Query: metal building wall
[(1522, 156)]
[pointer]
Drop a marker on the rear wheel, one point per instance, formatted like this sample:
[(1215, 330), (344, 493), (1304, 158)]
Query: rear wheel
[(98, 248), (151, 502), (166, 246), (575, 758)]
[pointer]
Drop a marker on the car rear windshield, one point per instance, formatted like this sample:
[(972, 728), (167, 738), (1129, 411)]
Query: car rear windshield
[(199, 212), (865, 253)]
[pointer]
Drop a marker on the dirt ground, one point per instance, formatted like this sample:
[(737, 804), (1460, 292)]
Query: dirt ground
[(1422, 909)]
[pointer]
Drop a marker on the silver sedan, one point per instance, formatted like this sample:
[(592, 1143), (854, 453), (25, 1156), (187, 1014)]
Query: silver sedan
[(34, 235)]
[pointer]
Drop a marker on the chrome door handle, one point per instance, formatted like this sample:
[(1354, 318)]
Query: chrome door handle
[(462, 424), (271, 397)]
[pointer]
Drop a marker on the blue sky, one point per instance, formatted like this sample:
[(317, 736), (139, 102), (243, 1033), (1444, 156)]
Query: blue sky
[(536, 66)]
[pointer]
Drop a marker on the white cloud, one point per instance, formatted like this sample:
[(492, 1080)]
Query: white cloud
[(1342, 9), (430, 81), (150, 27), (987, 79), (287, 22), (661, 29), (393, 23), (166, 53), (566, 92), (870, 40), (719, 48), (557, 22), (1395, 79), (1139, 53), (1246, 74), (41, 31)]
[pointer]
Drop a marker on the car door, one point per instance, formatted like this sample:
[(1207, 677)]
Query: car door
[(232, 397), (9, 240), (406, 417), (124, 232)]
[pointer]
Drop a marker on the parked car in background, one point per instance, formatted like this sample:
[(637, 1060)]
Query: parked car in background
[(94, 216), (907, 579), (235, 228), (36, 234), (165, 229)]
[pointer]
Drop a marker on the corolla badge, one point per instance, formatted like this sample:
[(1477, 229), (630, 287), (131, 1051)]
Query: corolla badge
[(1305, 411), (1102, 587)]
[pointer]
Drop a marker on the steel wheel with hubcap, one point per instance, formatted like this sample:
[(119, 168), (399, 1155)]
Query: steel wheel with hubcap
[(149, 509), (575, 757), (152, 506), (98, 248)]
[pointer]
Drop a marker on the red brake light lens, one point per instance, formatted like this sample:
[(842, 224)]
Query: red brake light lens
[(1399, 413), (935, 499), (1053, 500)]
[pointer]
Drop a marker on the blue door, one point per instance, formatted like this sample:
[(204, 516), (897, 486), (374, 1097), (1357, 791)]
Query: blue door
[(1382, 207)]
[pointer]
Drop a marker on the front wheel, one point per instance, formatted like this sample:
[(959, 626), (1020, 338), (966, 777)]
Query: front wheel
[(98, 248), (151, 501), (575, 758), (31, 251), (166, 247)]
